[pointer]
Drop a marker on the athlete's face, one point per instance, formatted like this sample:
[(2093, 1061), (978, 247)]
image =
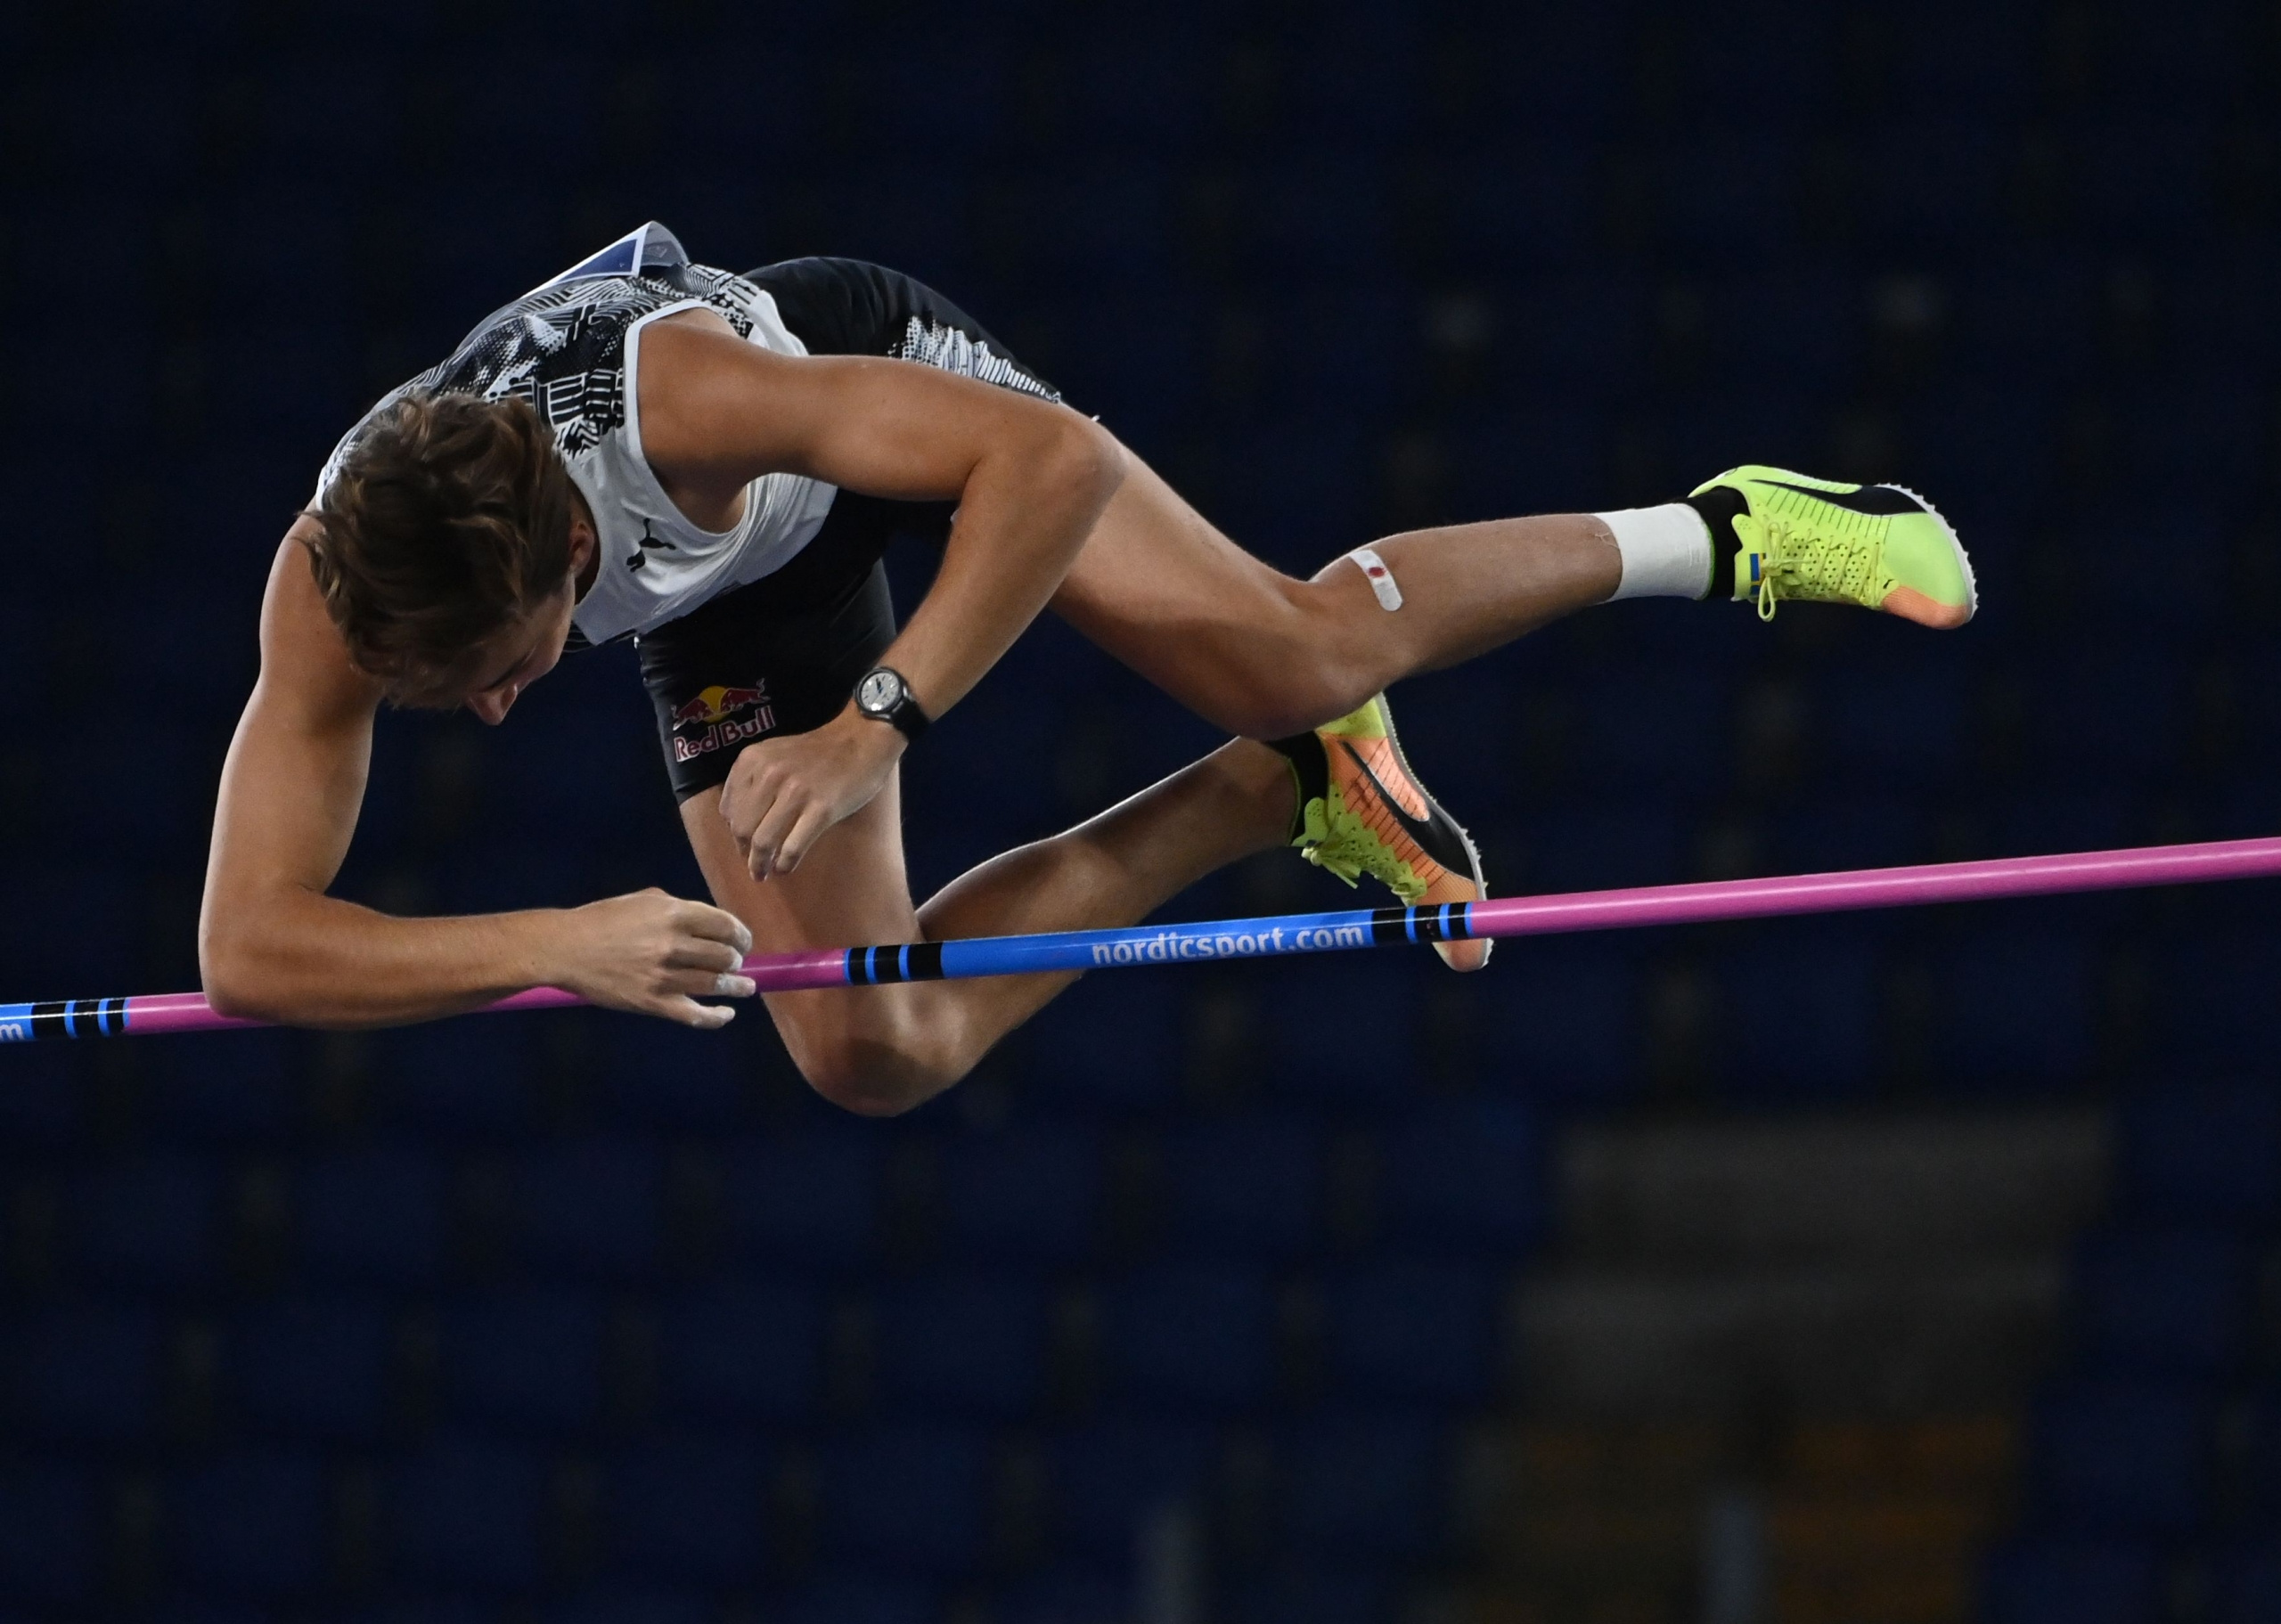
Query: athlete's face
[(519, 654)]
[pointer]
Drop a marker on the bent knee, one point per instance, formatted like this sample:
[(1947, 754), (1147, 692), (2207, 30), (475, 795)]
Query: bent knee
[(1294, 695), (866, 1088), (1304, 671), (874, 1070)]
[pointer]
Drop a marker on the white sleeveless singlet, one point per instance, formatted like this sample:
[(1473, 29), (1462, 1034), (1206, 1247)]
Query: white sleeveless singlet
[(570, 347)]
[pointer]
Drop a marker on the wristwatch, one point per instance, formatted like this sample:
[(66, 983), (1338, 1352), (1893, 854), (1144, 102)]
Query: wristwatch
[(882, 695)]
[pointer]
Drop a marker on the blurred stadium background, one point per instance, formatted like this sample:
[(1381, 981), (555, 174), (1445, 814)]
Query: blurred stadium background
[(1881, 1269)]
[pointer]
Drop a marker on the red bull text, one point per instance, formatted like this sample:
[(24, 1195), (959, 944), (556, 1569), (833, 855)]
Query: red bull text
[(719, 716)]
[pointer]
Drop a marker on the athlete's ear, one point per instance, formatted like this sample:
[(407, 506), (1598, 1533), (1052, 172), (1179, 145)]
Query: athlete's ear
[(583, 545)]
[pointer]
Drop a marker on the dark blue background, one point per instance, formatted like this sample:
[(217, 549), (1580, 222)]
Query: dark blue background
[(440, 1315)]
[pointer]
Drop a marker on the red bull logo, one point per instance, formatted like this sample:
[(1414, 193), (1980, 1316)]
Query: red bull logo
[(718, 704), (717, 717)]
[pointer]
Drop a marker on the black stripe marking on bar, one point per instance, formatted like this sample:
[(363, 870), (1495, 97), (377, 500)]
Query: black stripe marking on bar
[(48, 1021), (855, 968), (885, 965), (1389, 925)]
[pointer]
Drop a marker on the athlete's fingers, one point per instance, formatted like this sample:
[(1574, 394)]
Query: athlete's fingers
[(756, 857), (769, 837), (754, 786), (736, 796), (805, 834), (689, 1012), (706, 983), (754, 818), (714, 925), (732, 790), (739, 826), (719, 958)]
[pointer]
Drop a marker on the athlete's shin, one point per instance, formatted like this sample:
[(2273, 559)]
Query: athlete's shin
[(1117, 866), (1445, 595), (1113, 868)]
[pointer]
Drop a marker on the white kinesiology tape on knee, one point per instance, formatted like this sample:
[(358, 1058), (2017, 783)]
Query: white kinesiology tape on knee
[(1665, 551), (1381, 579)]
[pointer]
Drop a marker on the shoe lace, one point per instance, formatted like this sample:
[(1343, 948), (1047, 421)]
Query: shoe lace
[(1340, 843), (1811, 565)]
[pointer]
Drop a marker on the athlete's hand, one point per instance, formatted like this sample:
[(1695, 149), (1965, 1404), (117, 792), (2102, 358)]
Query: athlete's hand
[(784, 793), (656, 954)]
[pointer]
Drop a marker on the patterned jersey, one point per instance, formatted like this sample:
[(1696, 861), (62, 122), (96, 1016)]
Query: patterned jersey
[(570, 347)]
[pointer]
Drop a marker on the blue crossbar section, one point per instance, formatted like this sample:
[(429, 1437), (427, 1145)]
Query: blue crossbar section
[(75, 1018), (1093, 950), (1060, 950)]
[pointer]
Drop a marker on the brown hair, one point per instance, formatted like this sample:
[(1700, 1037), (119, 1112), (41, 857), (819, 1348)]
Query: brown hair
[(448, 520)]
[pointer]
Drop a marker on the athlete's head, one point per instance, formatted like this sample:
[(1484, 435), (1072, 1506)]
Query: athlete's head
[(445, 550)]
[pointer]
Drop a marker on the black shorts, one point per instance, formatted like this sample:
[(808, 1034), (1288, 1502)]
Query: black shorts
[(782, 654)]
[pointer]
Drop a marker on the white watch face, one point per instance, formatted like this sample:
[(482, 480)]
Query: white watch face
[(879, 691)]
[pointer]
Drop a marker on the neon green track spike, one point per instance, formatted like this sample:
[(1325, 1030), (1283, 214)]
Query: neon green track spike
[(1820, 541), (1371, 815)]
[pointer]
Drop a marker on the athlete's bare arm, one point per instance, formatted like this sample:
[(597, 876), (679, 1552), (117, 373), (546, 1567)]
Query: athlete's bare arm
[(273, 946), (1031, 479)]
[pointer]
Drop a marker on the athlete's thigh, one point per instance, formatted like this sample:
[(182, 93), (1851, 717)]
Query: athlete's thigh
[(1159, 588), (850, 891)]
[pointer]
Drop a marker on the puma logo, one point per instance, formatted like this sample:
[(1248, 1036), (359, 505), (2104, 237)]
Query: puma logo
[(635, 560)]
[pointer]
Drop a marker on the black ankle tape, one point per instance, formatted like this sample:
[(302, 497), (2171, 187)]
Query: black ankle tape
[(1309, 767), (1719, 507)]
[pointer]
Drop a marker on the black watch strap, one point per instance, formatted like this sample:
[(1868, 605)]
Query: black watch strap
[(882, 695)]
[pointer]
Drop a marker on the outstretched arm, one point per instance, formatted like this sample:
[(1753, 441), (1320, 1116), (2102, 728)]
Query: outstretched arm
[(273, 946), (1031, 479)]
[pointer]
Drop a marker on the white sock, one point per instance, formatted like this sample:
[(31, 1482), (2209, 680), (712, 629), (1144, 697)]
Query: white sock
[(1666, 552)]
